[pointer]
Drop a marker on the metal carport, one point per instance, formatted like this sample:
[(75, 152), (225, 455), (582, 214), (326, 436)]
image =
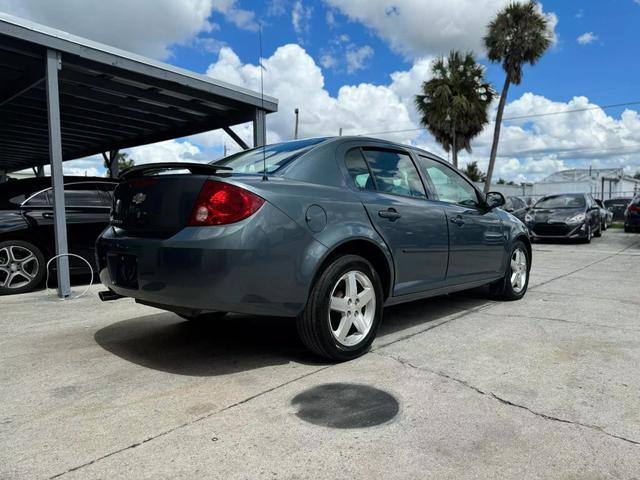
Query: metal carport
[(63, 97)]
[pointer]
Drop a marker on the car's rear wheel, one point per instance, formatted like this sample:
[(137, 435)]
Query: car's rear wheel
[(589, 236), (598, 233), (344, 310), (22, 267), (203, 317), (515, 282)]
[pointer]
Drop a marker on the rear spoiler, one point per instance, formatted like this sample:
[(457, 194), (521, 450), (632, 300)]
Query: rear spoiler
[(195, 168)]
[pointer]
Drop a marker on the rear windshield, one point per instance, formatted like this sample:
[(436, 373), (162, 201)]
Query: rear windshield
[(275, 156), (617, 202), (562, 201)]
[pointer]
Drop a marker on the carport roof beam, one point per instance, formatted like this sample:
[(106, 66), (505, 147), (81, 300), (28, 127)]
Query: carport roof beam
[(109, 99)]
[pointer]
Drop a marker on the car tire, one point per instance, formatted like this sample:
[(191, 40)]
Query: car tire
[(343, 311), (589, 236), (203, 317), (599, 232), (510, 287), (22, 267), (627, 229)]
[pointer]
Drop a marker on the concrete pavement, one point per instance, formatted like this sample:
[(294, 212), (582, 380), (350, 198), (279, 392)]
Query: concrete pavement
[(547, 387)]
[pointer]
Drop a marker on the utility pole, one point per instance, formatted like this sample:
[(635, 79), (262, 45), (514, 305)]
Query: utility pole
[(340, 132), (295, 133)]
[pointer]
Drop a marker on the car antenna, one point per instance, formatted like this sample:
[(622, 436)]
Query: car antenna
[(264, 152)]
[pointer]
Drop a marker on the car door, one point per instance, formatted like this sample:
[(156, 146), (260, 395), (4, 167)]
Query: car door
[(477, 243), (414, 228)]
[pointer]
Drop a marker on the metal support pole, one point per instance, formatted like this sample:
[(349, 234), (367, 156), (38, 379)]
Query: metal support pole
[(295, 132), (54, 63), (259, 128), (3, 176), (114, 168), (40, 171)]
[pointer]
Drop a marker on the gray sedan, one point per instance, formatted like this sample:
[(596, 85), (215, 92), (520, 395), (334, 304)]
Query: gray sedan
[(327, 230)]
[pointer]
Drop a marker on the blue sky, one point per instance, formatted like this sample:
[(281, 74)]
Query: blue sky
[(338, 59)]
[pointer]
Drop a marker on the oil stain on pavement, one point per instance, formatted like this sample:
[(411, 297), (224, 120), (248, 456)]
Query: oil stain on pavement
[(345, 405)]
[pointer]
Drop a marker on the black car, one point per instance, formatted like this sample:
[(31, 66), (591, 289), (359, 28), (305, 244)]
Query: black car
[(632, 215), (565, 216), (618, 206), (26, 227), (517, 207)]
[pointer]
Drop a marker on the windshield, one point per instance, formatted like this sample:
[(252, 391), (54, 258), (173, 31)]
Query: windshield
[(562, 201), (275, 156)]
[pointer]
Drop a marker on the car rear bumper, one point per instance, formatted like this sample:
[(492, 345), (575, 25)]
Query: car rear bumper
[(262, 265), (632, 220), (557, 230)]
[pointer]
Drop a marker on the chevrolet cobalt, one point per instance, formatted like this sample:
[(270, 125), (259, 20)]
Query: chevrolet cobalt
[(327, 230)]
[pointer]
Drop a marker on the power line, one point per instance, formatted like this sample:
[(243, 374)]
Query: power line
[(519, 117)]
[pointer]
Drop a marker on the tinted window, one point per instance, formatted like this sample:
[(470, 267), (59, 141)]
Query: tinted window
[(562, 201), (275, 156), (448, 184), (41, 199), (82, 195), (358, 169), (394, 172)]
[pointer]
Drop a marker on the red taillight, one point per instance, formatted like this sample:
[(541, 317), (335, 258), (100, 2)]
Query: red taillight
[(633, 207), (222, 203)]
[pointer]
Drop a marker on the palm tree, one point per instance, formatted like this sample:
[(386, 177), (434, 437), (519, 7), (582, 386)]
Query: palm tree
[(455, 102), (472, 170), (519, 34)]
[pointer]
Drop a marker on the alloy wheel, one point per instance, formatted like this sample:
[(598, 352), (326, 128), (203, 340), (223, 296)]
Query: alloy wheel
[(19, 266), (519, 270), (352, 308)]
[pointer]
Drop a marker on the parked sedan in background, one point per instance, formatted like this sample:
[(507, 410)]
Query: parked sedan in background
[(517, 207), (605, 214), (565, 216), (329, 232), (632, 215), (26, 226), (618, 206)]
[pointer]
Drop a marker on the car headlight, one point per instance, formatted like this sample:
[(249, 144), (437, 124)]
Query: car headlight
[(528, 217), (577, 218)]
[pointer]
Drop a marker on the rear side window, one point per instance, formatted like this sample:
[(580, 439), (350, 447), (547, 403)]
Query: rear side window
[(358, 169), (395, 173)]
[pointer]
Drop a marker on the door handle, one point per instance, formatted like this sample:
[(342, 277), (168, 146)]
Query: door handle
[(390, 214), (457, 220)]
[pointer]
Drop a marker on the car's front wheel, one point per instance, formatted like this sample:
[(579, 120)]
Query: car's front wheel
[(515, 282), (344, 310), (22, 267)]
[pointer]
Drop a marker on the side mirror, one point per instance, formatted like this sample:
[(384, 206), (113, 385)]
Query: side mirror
[(494, 200)]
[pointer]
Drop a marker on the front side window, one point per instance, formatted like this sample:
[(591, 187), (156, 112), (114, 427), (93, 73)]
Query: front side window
[(394, 173), (82, 195), (39, 200), (449, 185)]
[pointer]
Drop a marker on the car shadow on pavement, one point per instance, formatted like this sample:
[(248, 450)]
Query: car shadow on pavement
[(237, 343)]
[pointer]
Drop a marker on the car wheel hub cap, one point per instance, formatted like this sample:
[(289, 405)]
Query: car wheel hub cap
[(18, 266), (519, 270), (352, 307)]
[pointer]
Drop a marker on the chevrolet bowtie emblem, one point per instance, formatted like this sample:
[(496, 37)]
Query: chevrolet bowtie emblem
[(138, 198)]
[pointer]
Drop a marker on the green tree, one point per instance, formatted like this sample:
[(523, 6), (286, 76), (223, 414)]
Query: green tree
[(454, 103), (501, 181), (519, 34), (123, 159), (473, 172), (637, 175)]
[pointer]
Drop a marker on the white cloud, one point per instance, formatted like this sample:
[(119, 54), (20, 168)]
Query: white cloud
[(148, 27), (587, 38), (416, 28), (301, 17), (357, 58), (328, 61), (292, 75), (168, 151)]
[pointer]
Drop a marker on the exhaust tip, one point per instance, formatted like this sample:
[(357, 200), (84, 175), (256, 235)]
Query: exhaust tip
[(108, 295)]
